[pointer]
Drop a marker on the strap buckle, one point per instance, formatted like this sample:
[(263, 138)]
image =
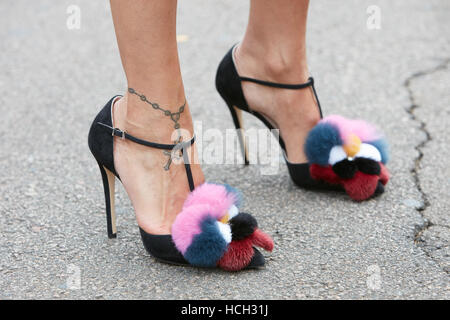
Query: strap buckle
[(119, 133)]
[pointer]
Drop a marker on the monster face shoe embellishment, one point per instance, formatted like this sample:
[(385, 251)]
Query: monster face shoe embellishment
[(174, 116), (350, 153), (212, 231)]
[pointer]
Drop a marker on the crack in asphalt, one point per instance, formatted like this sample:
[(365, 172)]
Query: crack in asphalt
[(420, 229)]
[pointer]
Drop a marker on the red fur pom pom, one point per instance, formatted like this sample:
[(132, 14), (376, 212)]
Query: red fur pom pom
[(262, 240), (238, 255)]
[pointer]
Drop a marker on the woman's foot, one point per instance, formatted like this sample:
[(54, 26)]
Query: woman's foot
[(157, 195), (293, 112)]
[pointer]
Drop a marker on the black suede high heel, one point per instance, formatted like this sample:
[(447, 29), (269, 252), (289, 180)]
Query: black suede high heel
[(229, 86), (166, 248)]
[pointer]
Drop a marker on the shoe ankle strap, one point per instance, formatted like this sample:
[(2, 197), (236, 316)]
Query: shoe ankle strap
[(308, 83), (181, 146), (124, 135)]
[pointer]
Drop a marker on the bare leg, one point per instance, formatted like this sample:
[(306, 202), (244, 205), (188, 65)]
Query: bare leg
[(146, 34), (274, 49)]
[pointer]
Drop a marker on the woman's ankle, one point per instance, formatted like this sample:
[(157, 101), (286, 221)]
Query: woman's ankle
[(272, 63), (141, 119)]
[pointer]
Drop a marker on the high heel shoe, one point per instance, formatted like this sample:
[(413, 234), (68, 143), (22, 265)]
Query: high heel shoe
[(209, 232), (323, 175)]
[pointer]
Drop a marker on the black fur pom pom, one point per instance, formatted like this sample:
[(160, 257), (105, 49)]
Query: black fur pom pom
[(368, 166), (345, 169), (242, 226)]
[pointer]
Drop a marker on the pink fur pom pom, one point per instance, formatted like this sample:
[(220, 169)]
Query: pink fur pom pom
[(364, 130), (215, 195), (207, 200), (188, 224)]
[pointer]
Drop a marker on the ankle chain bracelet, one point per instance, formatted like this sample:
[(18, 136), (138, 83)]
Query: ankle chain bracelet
[(174, 116)]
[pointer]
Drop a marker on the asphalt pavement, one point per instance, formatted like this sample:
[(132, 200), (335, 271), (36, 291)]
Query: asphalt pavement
[(54, 79)]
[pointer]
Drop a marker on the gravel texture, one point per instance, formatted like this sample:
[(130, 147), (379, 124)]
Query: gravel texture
[(52, 226)]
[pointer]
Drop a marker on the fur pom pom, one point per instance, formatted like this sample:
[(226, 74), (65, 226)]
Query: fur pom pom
[(210, 231), (321, 139), (188, 224), (238, 255), (215, 195), (242, 226), (198, 232), (345, 169), (348, 127), (350, 153), (382, 147), (262, 240), (208, 246), (240, 252), (361, 187)]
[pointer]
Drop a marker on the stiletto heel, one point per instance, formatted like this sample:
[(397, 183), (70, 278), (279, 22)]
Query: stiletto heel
[(321, 146), (109, 187), (210, 231), (236, 114)]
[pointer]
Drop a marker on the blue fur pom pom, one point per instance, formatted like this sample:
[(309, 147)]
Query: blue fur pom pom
[(207, 247), (383, 148), (319, 142)]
